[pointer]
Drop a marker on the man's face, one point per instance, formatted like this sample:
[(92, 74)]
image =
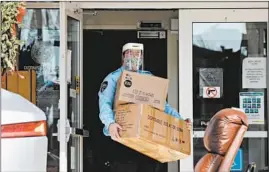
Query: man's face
[(132, 59)]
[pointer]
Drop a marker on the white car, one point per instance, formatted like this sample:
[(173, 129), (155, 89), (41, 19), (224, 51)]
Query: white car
[(23, 135)]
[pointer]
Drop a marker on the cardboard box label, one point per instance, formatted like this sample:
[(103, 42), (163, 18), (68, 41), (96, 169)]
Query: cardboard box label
[(164, 129), (153, 132), (141, 89)]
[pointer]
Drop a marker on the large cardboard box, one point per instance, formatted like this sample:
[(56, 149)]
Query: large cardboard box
[(153, 132), (141, 89)]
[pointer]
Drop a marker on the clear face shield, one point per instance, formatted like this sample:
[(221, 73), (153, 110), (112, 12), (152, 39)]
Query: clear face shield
[(132, 56)]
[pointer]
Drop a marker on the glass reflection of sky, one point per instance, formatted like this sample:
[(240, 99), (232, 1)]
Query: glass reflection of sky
[(214, 35)]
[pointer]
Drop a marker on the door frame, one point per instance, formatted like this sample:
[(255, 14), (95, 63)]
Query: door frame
[(67, 9), (157, 4), (171, 45), (186, 19)]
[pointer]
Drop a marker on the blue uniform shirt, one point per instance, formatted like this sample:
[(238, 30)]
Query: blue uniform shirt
[(106, 99)]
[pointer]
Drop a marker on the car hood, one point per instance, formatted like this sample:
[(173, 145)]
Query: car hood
[(16, 109)]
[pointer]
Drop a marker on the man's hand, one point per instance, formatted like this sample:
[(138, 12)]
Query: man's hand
[(189, 123), (114, 130)]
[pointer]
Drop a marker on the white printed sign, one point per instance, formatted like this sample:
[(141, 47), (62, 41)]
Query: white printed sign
[(252, 103), (254, 72), (211, 92)]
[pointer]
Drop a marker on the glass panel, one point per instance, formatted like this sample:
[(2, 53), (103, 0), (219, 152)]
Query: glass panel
[(40, 52), (73, 45), (231, 58), (254, 150)]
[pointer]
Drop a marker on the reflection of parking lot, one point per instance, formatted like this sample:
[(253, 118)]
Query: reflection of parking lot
[(52, 169), (53, 162), (199, 149)]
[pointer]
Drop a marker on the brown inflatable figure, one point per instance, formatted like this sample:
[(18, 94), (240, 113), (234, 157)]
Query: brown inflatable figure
[(223, 137)]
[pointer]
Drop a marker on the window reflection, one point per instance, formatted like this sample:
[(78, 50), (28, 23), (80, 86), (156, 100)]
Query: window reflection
[(40, 52), (219, 50), (216, 36), (254, 150)]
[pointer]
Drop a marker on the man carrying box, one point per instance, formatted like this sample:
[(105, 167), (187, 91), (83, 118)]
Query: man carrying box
[(132, 60)]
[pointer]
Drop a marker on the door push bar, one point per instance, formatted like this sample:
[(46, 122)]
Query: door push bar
[(71, 131)]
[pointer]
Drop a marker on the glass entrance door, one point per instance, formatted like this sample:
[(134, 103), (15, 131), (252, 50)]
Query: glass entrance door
[(225, 50), (71, 119)]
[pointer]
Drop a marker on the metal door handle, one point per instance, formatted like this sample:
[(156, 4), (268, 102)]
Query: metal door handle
[(79, 132), (70, 131), (76, 132)]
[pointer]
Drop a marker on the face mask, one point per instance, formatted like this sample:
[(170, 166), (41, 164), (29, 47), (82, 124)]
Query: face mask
[(133, 60)]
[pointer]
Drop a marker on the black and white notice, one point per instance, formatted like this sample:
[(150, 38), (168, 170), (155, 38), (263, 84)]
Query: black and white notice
[(254, 72)]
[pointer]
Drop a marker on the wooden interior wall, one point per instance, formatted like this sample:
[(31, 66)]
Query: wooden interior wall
[(22, 83)]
